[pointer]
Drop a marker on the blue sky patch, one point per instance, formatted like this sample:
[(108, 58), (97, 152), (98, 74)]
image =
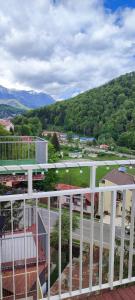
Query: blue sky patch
[(116, 4)]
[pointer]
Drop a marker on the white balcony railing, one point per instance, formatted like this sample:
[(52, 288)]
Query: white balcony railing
[(99, 255), (23, 149)]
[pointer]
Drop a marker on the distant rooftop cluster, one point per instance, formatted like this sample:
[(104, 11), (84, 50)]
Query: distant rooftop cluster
[(63, 137)]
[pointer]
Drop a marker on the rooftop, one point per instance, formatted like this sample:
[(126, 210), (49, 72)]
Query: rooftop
[(120, 178), (63, 186), (5, 122), (19, 247)]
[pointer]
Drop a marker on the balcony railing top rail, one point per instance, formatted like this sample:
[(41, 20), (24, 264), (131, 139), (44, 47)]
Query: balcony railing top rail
[(67, 164), (21, 139)]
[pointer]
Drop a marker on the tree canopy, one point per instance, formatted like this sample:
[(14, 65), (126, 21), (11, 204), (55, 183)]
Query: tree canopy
[(3, 131), (55, 142), (27, 126), (106, 112), (65, 233)]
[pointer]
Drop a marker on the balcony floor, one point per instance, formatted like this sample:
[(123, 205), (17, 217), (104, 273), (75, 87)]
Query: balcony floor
[(125, 293), (17, 162)]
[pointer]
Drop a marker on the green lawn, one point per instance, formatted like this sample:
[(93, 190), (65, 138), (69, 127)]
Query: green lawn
[(107, 157), (74, 177)]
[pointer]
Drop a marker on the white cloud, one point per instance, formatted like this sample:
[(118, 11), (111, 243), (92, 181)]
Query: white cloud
[(71, 46)]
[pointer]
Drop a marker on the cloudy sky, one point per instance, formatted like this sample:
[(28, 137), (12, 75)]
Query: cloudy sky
[(64, 47)]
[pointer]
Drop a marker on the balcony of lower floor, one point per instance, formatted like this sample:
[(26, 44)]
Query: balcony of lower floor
[(20, 150)]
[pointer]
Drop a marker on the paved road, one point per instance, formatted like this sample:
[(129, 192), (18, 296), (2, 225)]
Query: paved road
[(87, 236), (86, 228), (53, 217)]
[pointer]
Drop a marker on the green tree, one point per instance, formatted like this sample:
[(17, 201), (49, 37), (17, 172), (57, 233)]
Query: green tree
[(3, 131), (55, 142), (28, 126), (5, 209), (105, 112), (51, 178), (65, 232)]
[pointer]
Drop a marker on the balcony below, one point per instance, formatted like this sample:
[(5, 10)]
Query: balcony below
[(21, 150)]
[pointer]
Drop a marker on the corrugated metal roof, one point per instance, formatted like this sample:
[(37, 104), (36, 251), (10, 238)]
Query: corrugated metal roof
[(21, 251)]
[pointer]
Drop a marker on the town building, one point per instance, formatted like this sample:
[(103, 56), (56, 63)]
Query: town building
[(104, 147), (47, 133), (117, 177), (7, 124), (62, 137), (87, 140), (75, 154), (76, 201)]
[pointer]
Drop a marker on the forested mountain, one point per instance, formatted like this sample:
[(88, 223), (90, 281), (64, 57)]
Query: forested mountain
[(14, 103), (106, 112), (7, 111), (29, 99)]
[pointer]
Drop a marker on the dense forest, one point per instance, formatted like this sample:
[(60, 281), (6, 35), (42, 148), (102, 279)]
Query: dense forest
[(106, 112)]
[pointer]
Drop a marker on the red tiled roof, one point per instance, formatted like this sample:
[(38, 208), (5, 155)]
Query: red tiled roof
[(7, 279), (63, 186), (5, 122), (120, 178)]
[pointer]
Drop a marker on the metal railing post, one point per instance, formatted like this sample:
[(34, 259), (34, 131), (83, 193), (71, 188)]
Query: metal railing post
[(93, 177), (130, 263), (59, 254), (112, 239), (49, 254), (122, 236), (30, 185)]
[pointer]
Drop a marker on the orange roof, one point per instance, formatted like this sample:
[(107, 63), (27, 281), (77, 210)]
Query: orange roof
[(63, 186), (7, 279), (5, 122)]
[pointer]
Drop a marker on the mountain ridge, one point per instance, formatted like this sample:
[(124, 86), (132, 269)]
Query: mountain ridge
[(29, 99), (106, 112)]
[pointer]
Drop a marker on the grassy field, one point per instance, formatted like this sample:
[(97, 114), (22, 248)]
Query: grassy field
[(74, 177)]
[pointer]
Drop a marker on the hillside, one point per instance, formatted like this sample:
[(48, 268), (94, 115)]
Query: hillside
[(14, 103), (106, 112), (7, 111), (28, 99)]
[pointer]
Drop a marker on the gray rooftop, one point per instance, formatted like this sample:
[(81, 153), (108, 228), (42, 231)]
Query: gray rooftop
[(21, 251)]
